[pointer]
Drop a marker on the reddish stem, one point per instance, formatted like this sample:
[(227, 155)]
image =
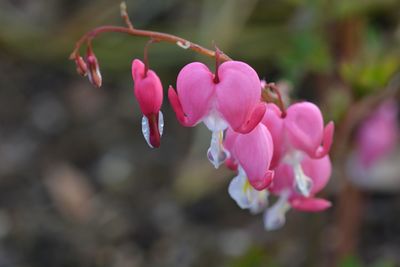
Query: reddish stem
[(273, 87), (125, 16), (146, 56), (217, 63), (165, 37)]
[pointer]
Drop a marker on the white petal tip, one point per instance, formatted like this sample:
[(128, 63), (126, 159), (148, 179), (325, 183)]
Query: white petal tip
[(146, 130), (216, 157), (146, 127), (275, 217)]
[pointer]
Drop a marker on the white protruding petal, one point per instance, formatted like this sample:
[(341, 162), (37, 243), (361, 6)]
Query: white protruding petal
[(214, 122), (274, 217), (260, 201), (245, 195), (160, 122), (90, 75), (146, 130), (237, 190), (303, 183), (217, 153)]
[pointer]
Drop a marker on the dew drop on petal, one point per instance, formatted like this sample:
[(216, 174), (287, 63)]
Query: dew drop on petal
[(146, 130)]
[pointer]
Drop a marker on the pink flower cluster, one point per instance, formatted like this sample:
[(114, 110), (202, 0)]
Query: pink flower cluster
[(376, 140), (284, 154), (378, 134)]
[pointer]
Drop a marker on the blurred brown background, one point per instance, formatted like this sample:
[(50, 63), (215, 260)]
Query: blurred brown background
[(79, 185)]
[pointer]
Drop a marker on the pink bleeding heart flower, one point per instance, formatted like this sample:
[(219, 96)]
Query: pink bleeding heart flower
[(299, 134), (149, 94), (233, 99), (304, 126), (378, 134), (252, 153), (318, 170)]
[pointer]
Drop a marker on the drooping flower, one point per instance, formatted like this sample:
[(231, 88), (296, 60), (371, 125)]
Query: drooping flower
[(232, 100), (378, 134), (149, 94), (318, 170), (93, 68), (252, 153), (81, 66), (299, 134)]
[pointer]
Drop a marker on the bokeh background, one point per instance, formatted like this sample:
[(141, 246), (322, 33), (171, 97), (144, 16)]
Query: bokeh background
[(80, 187)]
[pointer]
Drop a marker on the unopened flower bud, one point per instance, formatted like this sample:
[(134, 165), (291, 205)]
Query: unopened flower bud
[(81, 66), (93, 69), (149, 94)]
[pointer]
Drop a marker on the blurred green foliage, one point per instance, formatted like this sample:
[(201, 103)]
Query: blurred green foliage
[(254, 257), (308, 52), (354, 261), (377, 62)]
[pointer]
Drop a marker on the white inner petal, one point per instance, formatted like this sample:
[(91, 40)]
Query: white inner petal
[(245, 195), (260, 200), (303, 183), (214, 121), (146, 130), (160, 122), (274, 217), (217, 154)]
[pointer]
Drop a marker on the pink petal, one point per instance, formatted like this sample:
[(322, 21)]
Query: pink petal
[(327, 141), (304, 127), (230, 139), (274, 122), (137, 69), (253, 151), (231, 164), (319, 170), (284, 179), (177, 107), (229, 142), (196, 89), (310, 204), (254, 119), (148, 89), (238, 95), (263, 182)]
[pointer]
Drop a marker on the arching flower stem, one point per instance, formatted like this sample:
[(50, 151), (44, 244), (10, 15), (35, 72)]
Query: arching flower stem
[(158, 36)]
